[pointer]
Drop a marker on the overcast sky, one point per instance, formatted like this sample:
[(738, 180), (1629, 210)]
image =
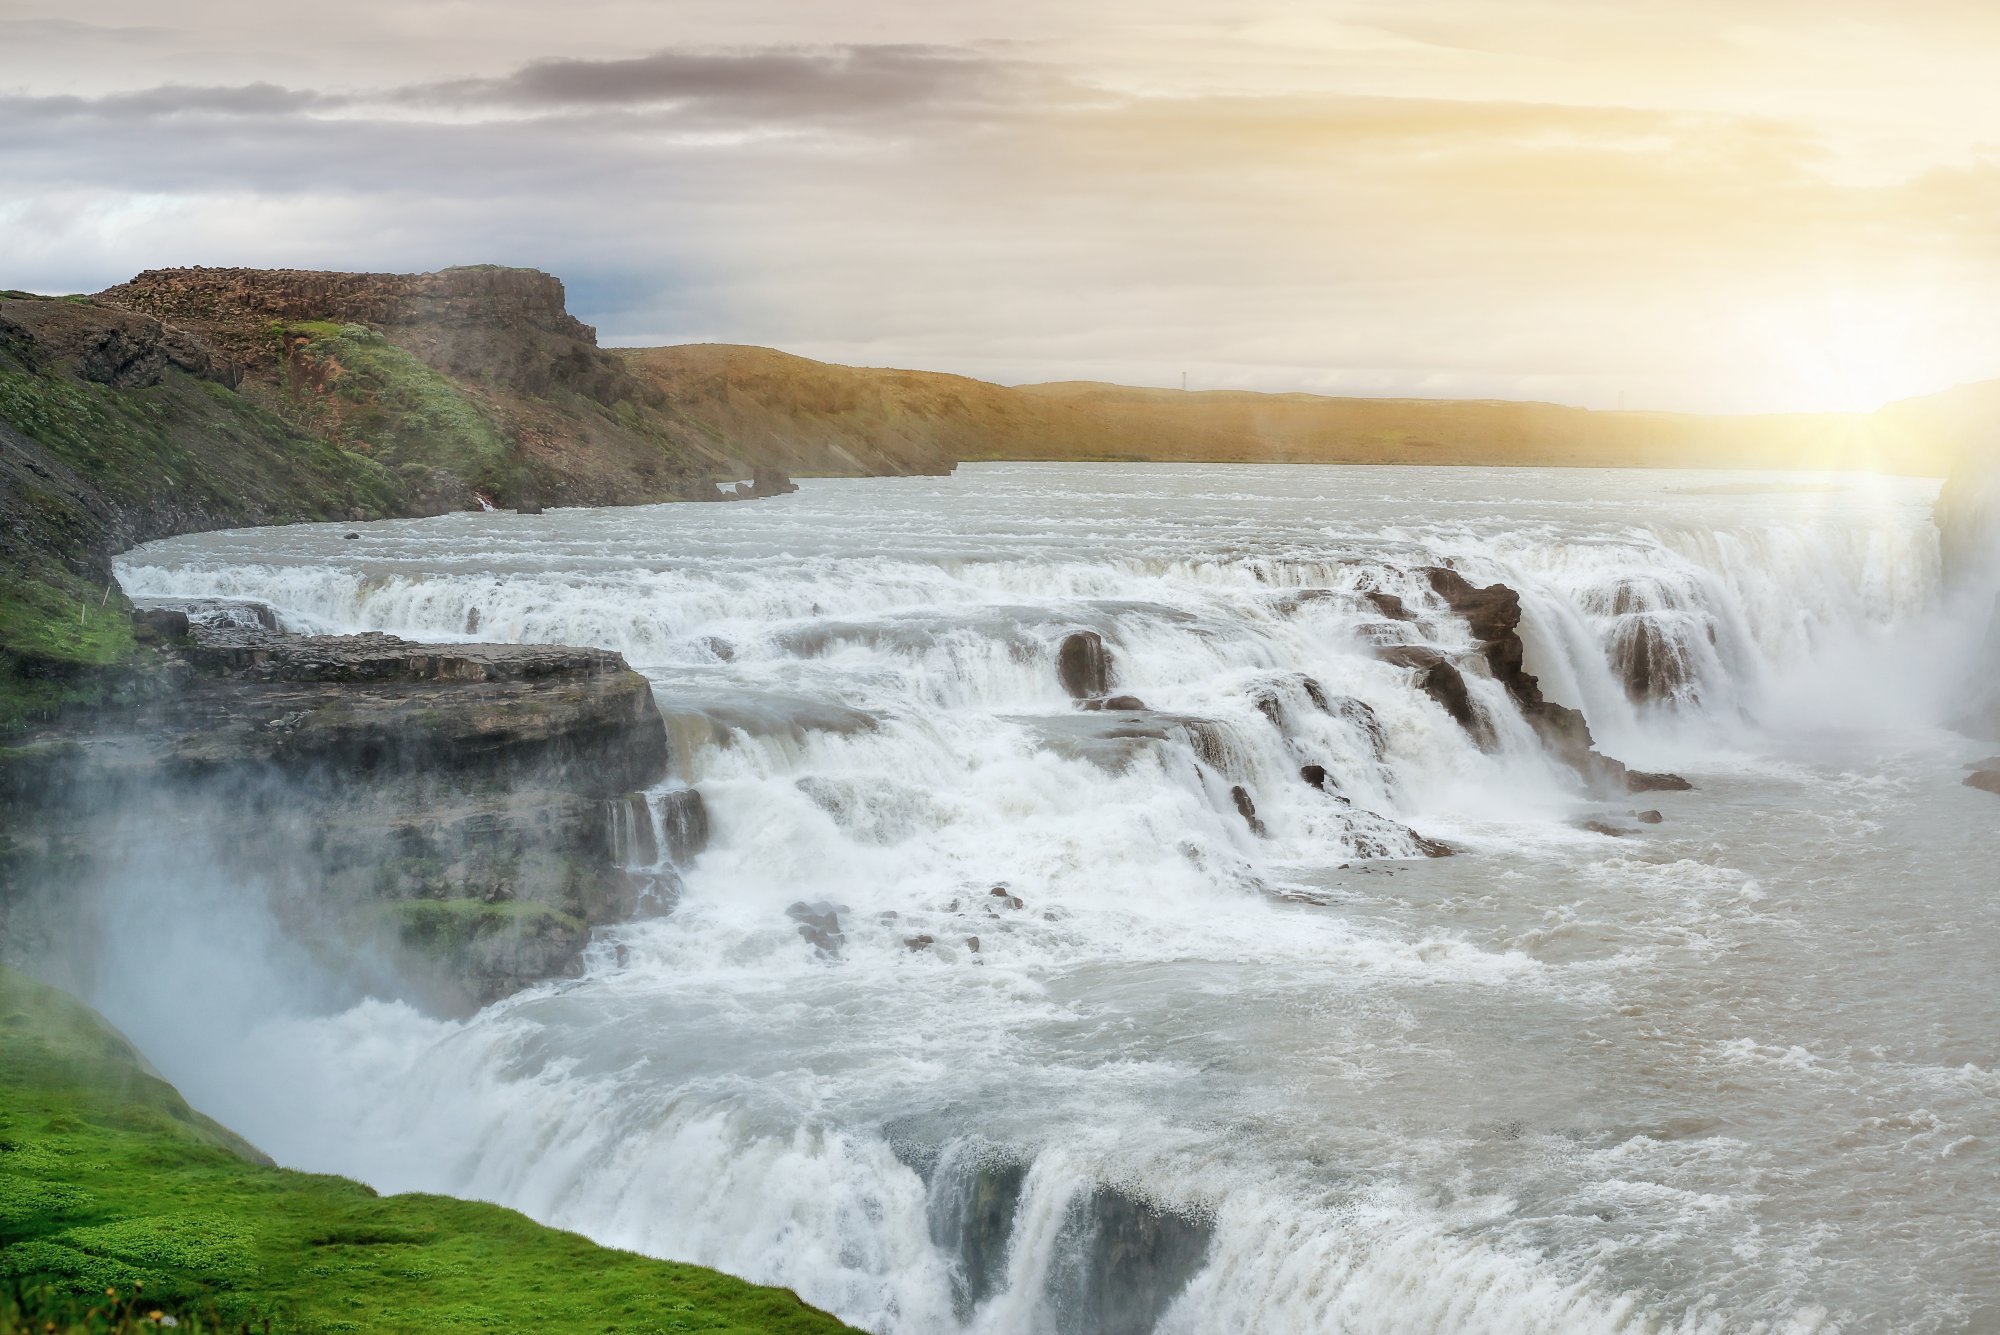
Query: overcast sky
[(1716, 204)]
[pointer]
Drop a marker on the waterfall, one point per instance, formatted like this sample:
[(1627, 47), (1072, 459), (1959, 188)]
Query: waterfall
[(997, 1094)]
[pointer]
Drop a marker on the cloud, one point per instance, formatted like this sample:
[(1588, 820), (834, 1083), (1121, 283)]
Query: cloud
[(771, 85), (991, 210)]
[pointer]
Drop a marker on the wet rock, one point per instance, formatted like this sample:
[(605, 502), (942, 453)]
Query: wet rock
[(923, 941), (1640, 781), (1603, 828), (684, 822), (654, 894), (152, 625), (1389, 605), (1117, 704), (1649, 662), (768, 481), (1247, 809), (1084, 665), (819, 923), (374, 703), (972, 944), (1648, 817), (1437, 677), (1431, 848), (350, 535), (1315, 775), (1006, 898), (719, 649), (1123, 1262), (217, 613), (1360, 715), (1986, 780)]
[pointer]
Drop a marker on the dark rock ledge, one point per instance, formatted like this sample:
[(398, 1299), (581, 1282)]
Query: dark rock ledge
[(433, 821), (1493, 616)]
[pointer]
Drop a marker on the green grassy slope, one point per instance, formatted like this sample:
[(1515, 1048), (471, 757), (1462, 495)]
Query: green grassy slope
[(87, 469), (108, 1179)]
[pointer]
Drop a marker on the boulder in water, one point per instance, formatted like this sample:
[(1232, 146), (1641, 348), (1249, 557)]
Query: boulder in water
[(1648, 817), (1247, 809), (1986, 780), (819, 923), (684, 821), (1440, 679), (1315, 775), (1432, 848), (1640, 781), (1083, 665), (151, 625), (1389, 605), (1603, 828), (1126, 704), (766, 480)]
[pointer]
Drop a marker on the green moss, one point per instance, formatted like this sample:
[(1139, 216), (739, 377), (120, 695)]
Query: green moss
[(377, 397), (445, 923), (108, 1179), (186, 445)]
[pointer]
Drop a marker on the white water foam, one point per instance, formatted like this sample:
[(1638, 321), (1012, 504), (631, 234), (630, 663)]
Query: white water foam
[(1209, 1079)]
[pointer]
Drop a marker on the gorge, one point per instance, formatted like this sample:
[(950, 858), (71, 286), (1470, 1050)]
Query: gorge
[(1053, 897)]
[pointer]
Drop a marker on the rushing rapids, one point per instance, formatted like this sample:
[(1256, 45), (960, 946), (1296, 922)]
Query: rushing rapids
[(1052, 949)]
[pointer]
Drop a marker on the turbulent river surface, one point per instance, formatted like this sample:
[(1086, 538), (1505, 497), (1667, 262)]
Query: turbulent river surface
[(1735, 1071)]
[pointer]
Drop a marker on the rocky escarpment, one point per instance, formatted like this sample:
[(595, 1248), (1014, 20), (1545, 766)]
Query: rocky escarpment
[(1492, 615), (484, 321), (441, 820), (202, 398)]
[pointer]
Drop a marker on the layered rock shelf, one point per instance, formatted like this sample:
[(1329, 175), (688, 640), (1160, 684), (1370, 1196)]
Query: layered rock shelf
[(441, 817)]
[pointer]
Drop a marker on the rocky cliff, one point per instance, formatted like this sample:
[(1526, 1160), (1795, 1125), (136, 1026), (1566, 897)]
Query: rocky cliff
[(443, 821), (200, 398)]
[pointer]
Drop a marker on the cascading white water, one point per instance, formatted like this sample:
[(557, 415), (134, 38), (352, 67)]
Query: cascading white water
[(1156, 1067)]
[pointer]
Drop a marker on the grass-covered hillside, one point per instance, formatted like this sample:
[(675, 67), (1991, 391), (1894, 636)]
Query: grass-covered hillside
[(192, 399), (110, 1182), (110, 435)]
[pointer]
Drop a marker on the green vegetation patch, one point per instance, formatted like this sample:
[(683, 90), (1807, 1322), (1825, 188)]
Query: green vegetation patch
[(382, 400), (442, 924), (109, 1180)]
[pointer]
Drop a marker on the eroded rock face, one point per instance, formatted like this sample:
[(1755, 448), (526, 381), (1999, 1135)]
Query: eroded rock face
[(123, 348), (1493, 615), (439, 818), (482, 320), (1084, 665)]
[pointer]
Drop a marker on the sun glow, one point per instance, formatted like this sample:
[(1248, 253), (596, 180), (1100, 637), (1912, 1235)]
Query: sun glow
[(1850, 351)]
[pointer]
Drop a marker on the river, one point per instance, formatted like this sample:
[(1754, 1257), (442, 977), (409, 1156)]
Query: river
[(1734, 1071)]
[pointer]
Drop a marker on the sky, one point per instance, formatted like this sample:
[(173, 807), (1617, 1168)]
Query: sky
[(1753, 205)]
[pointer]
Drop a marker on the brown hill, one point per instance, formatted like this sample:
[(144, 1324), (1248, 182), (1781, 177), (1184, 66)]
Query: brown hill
[(812, 417), (467, 382)]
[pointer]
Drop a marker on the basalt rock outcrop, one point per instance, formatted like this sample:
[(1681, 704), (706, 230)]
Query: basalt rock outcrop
[(1083, 665), (438, 820), (1492, 615), (512, 324)]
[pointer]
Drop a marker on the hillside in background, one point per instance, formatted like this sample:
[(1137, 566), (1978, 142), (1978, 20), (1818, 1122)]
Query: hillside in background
[(202, 398), (815, 417)]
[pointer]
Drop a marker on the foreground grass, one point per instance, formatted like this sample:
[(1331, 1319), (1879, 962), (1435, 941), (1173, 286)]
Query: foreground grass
[(110, 1181)]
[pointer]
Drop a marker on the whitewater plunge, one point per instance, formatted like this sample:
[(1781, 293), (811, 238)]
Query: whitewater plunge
[(1732, 1072)]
